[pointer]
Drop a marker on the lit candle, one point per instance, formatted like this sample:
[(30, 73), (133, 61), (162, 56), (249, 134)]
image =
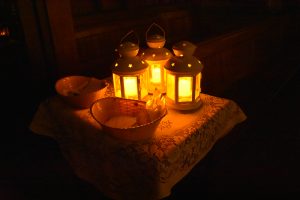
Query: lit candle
[(156, 74), (185, 88), (4, 31), (130, 88)]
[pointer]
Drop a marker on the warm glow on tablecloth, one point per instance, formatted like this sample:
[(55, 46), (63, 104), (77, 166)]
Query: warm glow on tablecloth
[(140, 170)]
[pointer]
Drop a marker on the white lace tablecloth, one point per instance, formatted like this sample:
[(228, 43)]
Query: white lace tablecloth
[(140, 170)]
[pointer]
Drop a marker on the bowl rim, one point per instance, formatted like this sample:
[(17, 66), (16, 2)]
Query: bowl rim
[(128, 128), (89, 78)]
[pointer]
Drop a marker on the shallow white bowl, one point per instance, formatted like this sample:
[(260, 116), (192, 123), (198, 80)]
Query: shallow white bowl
[(80, 91), (125, 111)]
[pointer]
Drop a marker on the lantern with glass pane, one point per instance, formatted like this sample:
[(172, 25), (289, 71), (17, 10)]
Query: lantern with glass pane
[(156, 56), (183, 78), (129, 71)]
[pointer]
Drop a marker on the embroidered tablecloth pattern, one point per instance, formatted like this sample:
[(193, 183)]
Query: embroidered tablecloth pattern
[(139, 170)]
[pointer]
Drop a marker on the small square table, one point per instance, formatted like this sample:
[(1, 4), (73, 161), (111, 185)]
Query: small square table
[(136, 170)]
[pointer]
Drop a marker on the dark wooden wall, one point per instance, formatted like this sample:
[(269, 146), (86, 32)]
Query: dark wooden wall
[(100, 26), (234, 39), (231, 57)]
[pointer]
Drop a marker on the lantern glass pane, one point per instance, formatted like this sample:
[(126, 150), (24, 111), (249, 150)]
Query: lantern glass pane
[(165, 76), (185, 85), (130, 87), (143, 85), (117, 85), (156, 79), (171, 86), (155, 73), (198, 86)]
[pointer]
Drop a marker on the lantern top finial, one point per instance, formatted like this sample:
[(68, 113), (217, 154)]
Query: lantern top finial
[(128, 62), (184, 48), (185, 65), (184, 61), (128, 48), (155, 40)]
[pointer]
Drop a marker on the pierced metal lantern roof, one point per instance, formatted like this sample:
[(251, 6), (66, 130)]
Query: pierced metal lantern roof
[(184, 65), (155, 54), (128, 49), (184, 48), (156, 41), (127, 65), (128, 62), (184, 62)]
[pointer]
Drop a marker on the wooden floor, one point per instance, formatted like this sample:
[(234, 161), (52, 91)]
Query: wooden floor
[(259, 158)]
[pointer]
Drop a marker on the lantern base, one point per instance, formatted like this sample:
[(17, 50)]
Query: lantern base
[(183, 105)]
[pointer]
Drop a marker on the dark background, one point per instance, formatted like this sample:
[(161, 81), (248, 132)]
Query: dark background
[(259, 158)]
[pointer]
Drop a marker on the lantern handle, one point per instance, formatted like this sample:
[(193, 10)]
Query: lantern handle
[(155, 24), (128, 34)]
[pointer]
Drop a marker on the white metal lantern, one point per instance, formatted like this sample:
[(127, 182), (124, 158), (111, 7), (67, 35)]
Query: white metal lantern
[(183, 78), (156, 56), (129, 72)]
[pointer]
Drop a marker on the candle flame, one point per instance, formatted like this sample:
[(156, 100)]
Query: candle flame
[(130, 87), (185, 89), (156, 74), (4, 31)]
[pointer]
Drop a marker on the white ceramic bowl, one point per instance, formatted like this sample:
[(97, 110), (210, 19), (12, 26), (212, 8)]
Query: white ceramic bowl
[(80, 91), (126, 119)]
